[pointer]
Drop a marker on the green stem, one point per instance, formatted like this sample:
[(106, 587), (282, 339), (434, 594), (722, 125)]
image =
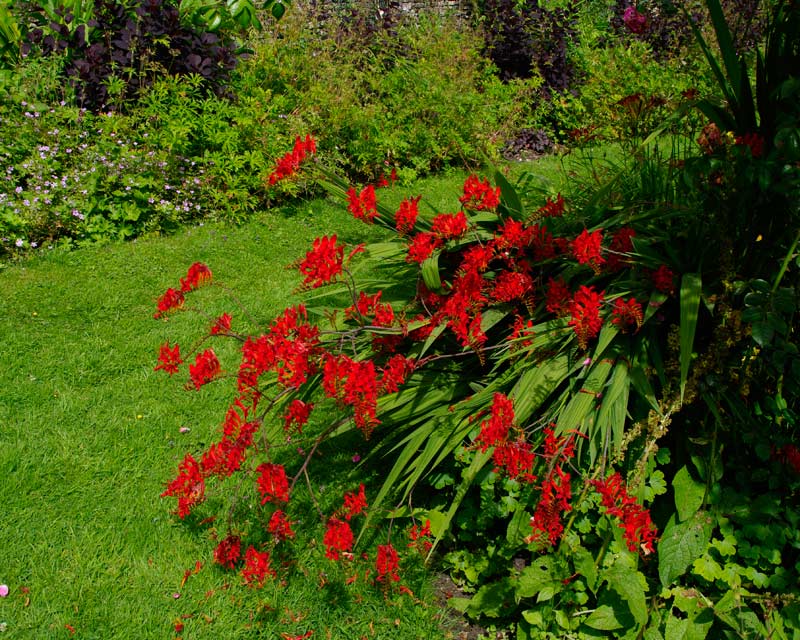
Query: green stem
[(785, 264)]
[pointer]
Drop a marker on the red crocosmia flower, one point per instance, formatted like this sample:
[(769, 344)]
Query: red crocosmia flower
[(297, 415), (585, 310), (221, 325), (206, 367), (355, 503), (406, 217), (587, 249), (621, 245), (554, 501), (522, 333), (422, 247), (633, 518), (494, 430), (512, 285), (370, 307), (170, 301), (552, 208), (544, 247), (395, 372), (323, 263), (280, 526), (754, 142), (449, 226), (664, 279), (169, 359), (228, 551), (256, 567), (338, 538), (513, 235), (558, 297), (198, 275), (290, 162), (303, 636), (627, 314), (561, 449), (387, 563), (477, 258), (635, 21), (272, 483), (189, 486), (420, 537), (479, 195), (364, 205), (516, 458)]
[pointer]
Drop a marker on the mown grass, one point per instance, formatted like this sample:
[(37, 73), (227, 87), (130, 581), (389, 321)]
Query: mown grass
[(90, 434)]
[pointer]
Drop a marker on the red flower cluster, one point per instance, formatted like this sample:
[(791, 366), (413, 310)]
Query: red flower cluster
[(558, 297), (171, 300), (587, 249), (514, 455), (479, 195), (169, 359), (272, 483), (551, 208), (364, 205), (633, 517), (189, 486), (354, 503), (227, 455), (338, 538), (370, 308), (291, 349), (513, 285), (406, 216), (421, 537), (753, 141), (554, 501), (422, 247), (621, 245), (198, 275), (627, 314), (206, 367), (297, 415), (449, 226), (387, 563), (280, 526), (353, 383), (290, 162), (664, 279), (323, 263), (256, 567), (585, 310), (221, 325), (228, 552), (788, 455)]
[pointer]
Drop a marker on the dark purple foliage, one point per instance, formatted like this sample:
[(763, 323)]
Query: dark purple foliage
[(135, 42)]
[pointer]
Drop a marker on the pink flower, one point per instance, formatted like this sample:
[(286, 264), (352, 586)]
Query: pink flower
[(635, 21)]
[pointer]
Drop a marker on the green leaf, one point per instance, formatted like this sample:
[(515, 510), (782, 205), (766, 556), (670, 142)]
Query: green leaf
[(631, 585), (681, 544), (583, 561), (430, 272), (536, 384), (689, 493), (534, 578), (509, 200), (491, 600), (604, 618), (278, 9), (691, 288)]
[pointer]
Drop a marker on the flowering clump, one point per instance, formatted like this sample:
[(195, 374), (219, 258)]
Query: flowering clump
[(338, 538), (640, 532), (290, 162), (206, 367), (363, 205), (387, 563), (479, 195), (256, 567), (323, 263), (585, 311), (169, 358)]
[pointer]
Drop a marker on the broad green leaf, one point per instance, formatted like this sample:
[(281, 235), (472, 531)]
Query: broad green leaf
[(691, 288), (430, 272), (584, 564), (689, 493), (682, 543), (509, 200), (631, 585), (491, 600), (604, 618), (534, 578)]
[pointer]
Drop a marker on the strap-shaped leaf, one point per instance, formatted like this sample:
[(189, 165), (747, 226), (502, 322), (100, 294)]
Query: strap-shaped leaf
[(430, 272), (510, 203), (691, 289)]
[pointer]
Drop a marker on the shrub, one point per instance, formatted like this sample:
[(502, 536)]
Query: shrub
[(123, 47)]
